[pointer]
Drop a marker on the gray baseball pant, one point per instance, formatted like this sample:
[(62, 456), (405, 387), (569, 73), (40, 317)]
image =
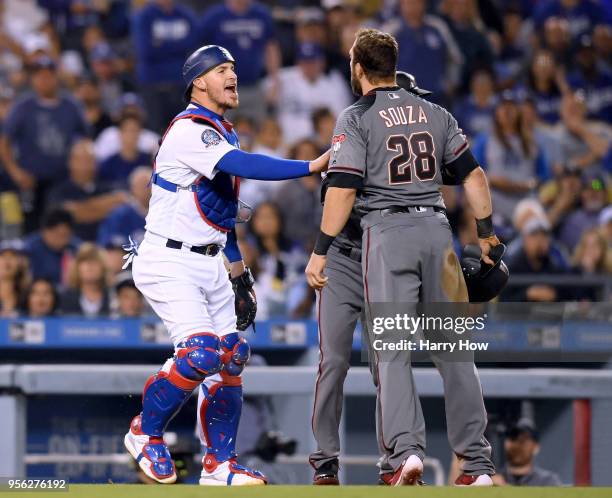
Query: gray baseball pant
[(408, 258)]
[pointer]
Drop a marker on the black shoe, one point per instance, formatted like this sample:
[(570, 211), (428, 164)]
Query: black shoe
[(327, 474)]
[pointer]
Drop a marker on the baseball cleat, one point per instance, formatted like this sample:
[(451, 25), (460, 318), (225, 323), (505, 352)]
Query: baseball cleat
[(481, 480), (229, 473), (151, 454), (327, 474), (409, 474)]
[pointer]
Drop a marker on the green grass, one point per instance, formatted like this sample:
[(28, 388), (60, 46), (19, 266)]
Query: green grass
[(137, 491)]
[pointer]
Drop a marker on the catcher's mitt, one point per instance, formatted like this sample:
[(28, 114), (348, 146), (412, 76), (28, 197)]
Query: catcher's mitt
[(246, 301)]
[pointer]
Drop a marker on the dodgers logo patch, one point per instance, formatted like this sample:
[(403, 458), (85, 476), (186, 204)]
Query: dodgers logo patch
[(210, 138)]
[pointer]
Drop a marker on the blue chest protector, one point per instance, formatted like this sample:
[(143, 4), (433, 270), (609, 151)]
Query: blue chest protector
[(216, 199)]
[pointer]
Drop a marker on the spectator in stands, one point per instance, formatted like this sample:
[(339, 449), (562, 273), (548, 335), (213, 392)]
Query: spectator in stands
[(594, 81), (81, 195), (426, 38), (310, 26), (592, 255), (475, 111), (108, 142), (581, 15), (74, 16), (557, 40), (545, 137), (605, 224), (468, 31), (128, 219), (14, 277), (113, 253), (602, 41), (105, 67), (40, 129), (50, 248), (583, 143), (246, 29), (323, 122), (304, 88), (115, 170), (521, 447), (545, 85), (268, 141), (534, 257), (510, 156), (11, 214), (130, 303), (280, 282), (87, 293), (593, 198), (562, 195), (246, 128), (88, 93), (164, 32), (303, 195), (41, 299), (512, 48)]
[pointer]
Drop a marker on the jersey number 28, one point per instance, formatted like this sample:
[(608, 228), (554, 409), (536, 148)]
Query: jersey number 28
[(416, 150)]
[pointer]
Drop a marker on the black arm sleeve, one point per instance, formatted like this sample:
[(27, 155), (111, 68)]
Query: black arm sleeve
[(456, 172), (344, 180)]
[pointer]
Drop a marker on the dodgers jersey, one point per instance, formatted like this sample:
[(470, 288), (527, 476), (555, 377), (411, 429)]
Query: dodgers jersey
[(400, 144), (188, 151)]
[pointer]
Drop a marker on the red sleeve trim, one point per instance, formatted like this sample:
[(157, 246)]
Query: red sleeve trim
[(347, 169), (460, 149)]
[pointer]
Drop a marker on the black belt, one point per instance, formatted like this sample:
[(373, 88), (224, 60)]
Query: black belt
[(354, 254), (207, 250), (410, 209)]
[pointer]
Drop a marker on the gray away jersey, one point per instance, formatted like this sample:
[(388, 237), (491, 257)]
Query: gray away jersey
[(399, 144)]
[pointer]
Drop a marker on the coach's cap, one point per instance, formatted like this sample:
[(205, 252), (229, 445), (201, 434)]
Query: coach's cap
[(523, 426), (310, 51), (201, 61), (43, 62)]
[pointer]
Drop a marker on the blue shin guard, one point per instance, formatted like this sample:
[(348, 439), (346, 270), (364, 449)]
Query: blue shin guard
[(166, 391), (220, 415), (222, 406)]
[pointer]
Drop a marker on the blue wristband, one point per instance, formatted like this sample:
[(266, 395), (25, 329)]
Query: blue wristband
[(231, 249)]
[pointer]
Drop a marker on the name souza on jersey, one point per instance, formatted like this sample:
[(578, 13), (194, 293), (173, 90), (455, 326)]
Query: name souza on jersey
[(403, 115)]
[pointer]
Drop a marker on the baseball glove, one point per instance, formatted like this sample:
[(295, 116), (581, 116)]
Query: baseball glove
[(246, 301)]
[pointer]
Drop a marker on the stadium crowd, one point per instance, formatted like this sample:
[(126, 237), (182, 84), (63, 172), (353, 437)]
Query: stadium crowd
[(88, 86)]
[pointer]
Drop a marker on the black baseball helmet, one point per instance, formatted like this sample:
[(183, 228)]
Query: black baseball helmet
[(484, 281), (408, 82), (201, 61)]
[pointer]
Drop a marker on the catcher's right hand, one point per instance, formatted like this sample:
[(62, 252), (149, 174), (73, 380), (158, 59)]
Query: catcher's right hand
[(245, 300)]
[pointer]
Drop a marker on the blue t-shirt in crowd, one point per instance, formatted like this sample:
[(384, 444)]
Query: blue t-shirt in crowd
[(114, 171), (123, 221), (598, 93), (472, 118), (44, 261), (245, 35), (163, 41), (41, 134), (423, 52), (581, 18)]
